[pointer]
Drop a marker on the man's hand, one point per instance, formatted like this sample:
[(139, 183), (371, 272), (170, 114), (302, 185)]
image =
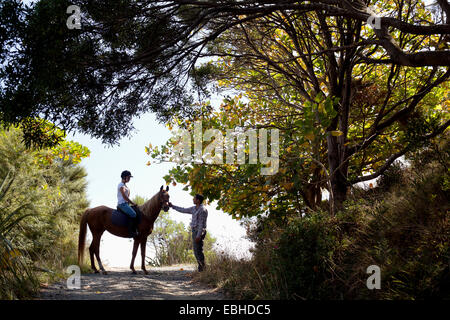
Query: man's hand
[(170, 205)]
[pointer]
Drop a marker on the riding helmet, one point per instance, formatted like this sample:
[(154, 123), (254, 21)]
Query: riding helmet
[(125, 174)]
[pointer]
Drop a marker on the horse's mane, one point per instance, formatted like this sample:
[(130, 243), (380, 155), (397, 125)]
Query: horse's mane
[(150, 207)]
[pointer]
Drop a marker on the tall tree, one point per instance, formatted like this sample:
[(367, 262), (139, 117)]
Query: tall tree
[(353, 116), (130, 57), (95, 79)]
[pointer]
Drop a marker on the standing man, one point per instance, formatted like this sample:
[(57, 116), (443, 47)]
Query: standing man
[(198, 226)]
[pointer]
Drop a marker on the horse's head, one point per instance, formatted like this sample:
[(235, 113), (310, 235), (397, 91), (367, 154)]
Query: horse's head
[(164, 198)]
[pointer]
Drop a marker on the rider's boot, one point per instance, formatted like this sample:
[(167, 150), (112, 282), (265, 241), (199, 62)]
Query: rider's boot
[(132, 230)]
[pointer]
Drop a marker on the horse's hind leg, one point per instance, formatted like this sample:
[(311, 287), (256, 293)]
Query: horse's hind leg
[(135, 249), (91, 254), (96, 243)]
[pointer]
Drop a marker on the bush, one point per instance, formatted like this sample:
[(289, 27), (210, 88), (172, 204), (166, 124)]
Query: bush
[(303, 252), (40, 209), (17, 279), (402, 226), (416, 228)]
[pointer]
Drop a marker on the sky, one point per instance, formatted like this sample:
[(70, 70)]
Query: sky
[(104, 167)]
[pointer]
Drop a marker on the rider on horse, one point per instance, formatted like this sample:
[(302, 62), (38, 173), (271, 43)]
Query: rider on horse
[(123, 202)]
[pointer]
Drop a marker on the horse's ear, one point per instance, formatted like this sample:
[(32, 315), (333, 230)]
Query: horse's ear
[(161, 188), (167, 189)]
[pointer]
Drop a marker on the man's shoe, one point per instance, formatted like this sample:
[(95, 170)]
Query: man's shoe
[(201, 268)]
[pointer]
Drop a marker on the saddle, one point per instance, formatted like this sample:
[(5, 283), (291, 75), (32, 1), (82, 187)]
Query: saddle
[(120, 218)]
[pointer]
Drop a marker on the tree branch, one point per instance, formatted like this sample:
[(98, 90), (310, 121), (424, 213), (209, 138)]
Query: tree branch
[(397, 155)]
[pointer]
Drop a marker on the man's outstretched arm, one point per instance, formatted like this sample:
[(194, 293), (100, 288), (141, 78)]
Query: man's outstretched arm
[(182, 210)]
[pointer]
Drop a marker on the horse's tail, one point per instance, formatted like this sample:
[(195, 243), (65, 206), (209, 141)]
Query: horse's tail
[(82, 236)]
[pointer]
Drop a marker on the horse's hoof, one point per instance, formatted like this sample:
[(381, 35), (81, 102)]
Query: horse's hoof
[(96, 271), (133, 272), (105, 273), (145, 271)]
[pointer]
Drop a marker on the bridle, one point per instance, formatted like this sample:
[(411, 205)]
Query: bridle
[(161, 201)]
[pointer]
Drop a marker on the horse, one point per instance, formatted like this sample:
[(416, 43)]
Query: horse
[(99, 220)]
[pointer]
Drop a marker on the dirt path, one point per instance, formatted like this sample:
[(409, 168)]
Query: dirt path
[(165, 283)]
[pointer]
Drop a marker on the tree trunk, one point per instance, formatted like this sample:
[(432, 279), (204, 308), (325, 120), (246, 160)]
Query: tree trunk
[(338, 173)]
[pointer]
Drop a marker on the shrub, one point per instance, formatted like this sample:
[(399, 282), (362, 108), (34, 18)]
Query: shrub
[(405, 231), (303, 251), (40, 209)]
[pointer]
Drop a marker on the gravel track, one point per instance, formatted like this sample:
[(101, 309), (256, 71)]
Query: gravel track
[(164, 283)]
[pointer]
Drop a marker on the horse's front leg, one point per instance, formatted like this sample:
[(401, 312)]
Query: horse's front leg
[(143, 247), (135, 249)]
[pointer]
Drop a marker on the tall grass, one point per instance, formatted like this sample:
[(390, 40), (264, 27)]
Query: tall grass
[(17, 279), (243, 278), (40, 205)]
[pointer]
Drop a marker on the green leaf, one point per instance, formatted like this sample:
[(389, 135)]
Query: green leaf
[(336, 133)]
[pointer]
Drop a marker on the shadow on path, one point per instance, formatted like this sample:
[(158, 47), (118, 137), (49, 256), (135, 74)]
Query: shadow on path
[(165, 283)]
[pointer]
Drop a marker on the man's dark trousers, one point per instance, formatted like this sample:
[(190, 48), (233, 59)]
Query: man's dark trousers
[(198, 249)]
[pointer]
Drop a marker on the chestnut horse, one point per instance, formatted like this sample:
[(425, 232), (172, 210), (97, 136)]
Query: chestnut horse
[(99, 220)]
